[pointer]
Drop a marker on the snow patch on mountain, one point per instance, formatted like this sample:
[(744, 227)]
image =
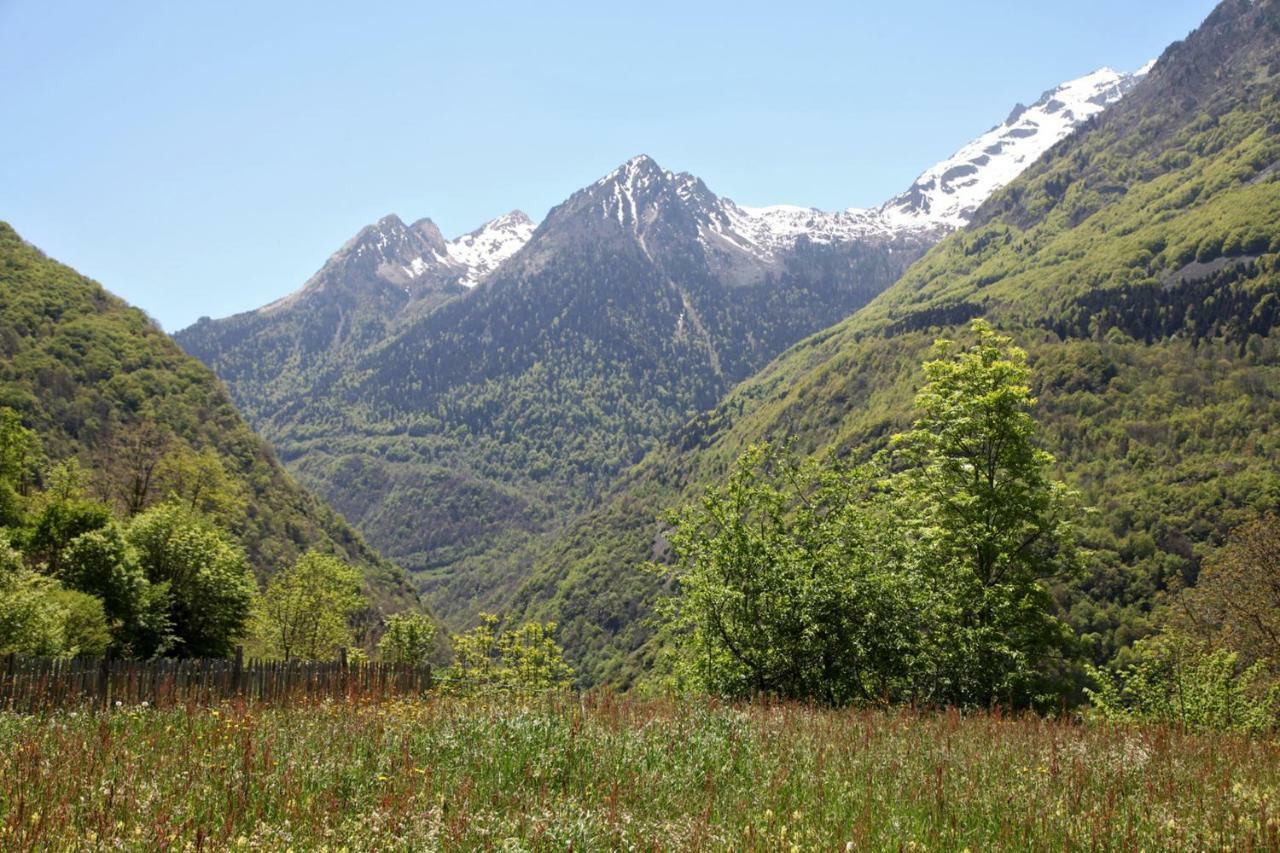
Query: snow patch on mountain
[(405, 254), (777, 228), (480, 252), (948, 193)]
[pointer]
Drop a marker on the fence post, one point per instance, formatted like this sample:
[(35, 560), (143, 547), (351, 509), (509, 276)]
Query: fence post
[(344, 676), (237, 670), (104, 680)]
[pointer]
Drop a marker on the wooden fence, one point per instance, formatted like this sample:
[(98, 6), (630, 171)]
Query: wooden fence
[(32, 685)]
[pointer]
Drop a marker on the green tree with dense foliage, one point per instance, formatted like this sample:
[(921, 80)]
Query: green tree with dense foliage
[(210, 589), (975, 490), (305, 612), (103, 563), (57, 524), (409, 638), (792, 584), (918, 576)]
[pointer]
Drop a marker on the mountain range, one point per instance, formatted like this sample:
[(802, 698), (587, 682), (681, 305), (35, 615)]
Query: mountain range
[(459, 401)]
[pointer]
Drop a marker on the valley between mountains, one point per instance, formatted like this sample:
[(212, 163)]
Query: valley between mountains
[(663, 521), (462, 402)]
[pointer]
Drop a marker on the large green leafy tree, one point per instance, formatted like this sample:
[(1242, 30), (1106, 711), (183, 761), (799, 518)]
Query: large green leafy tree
[(792, 584), (918, 576), (103, 563), (976, 491), (210, 588), (307, 608)]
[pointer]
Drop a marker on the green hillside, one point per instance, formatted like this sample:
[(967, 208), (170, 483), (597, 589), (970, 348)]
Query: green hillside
[(102, 384), (1139, 264)]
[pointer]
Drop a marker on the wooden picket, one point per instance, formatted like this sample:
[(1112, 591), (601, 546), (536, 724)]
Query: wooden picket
[(34, 685)]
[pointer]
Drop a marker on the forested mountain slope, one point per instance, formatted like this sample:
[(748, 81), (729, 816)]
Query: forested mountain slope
[(385, 275), (102, 384), (1139, 263), (467, 429)]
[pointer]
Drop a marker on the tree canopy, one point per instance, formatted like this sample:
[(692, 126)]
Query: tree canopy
[(915, 577)]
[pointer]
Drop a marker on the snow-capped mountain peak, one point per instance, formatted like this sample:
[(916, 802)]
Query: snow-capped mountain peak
[(948, 193), (481, 251), (640, 190), (417, 258)]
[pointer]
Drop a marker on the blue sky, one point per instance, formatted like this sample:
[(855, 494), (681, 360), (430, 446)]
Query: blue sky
[(204, 158)]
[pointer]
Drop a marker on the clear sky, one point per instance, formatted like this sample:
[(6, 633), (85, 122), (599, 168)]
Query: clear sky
[(206, 157)]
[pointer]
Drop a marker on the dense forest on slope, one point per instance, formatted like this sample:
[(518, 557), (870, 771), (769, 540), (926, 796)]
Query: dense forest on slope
[(1139, 264), (101, 384)]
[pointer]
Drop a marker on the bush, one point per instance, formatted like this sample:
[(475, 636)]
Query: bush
[(522, 660), (1178, 679), (410, 638)]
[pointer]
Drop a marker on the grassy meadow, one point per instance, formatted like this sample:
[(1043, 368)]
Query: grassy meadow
[(606, 772)]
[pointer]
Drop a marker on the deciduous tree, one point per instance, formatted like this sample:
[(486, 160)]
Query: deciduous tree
[(306, 609)]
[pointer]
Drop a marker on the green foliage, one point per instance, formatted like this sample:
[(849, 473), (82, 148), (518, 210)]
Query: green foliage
[(209, 588), (201, 481), (100, 385), (40, 617), (1177, 679), (520, 660), (977, 494), (826, 582), (57, 524), (409, 638), (85, 630), (103, 563), (305, 612), (1215, 663), (31, 622), (791, 583)]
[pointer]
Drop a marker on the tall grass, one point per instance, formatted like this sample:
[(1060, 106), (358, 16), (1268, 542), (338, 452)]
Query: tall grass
[(609, 773)]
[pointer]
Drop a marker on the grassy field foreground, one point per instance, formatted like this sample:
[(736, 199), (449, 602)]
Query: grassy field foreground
[(610, 773)]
